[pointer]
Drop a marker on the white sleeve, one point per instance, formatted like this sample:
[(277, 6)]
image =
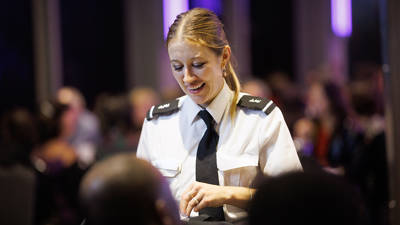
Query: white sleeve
[(143, 150), (278, 154)]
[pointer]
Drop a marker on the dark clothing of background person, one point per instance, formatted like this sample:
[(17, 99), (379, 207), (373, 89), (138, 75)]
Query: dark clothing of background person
[(57, 195), (369, 171), (16, 195)]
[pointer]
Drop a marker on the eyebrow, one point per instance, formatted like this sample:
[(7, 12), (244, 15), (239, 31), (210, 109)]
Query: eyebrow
[(193, 58)]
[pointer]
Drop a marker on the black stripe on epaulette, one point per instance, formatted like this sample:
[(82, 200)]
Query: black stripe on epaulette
[(163, 109), (148, 116), (255, 103), (270, 108)]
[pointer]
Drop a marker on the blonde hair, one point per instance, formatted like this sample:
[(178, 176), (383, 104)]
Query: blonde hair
[(203, 26)]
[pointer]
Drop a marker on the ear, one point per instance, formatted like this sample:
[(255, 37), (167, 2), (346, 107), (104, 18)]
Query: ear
[(226, 56)]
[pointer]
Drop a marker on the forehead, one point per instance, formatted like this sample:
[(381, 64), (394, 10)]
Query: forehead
[(182, 50)]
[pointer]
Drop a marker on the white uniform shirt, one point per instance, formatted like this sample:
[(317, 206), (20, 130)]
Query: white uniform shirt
[(252, 142)]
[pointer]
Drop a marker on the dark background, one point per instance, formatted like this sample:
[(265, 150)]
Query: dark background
[(93, 44)]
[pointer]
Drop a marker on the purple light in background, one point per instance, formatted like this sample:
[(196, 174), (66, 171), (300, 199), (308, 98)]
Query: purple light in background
[(213, 5), (341, 17), (171, 8)]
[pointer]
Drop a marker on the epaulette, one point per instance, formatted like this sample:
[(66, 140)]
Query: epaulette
[(257, 103), (163, 109)]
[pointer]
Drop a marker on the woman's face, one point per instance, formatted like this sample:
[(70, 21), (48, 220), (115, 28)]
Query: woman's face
[(197, 69)]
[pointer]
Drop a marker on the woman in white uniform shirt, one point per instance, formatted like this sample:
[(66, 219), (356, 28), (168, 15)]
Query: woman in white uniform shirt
[(253, 135)]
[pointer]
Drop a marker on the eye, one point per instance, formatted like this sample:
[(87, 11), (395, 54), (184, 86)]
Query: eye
[(198, 65), (177, 67)]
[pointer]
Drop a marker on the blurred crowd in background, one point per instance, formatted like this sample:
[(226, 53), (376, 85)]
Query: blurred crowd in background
[(337, 128)]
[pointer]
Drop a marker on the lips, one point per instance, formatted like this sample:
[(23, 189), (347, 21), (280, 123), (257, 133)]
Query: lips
[(196, 89)]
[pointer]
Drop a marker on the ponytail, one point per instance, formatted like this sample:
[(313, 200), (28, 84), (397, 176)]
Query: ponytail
[(234, 84)]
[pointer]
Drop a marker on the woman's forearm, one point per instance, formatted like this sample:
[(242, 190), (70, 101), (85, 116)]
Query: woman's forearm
[(238, 196)]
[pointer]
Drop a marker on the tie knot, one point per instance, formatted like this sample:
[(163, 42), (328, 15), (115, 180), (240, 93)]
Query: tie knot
[(206, 116)]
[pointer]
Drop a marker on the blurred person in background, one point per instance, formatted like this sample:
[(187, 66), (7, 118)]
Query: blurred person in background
[(304, 132), (369, 169), (257, 87), (307, 199), (86, 134), (327, 109), (171, 93), (304, 136), (18, 138), (286, 95), (141, 99), (56, 163), (114, 113), (57, 123), (125, 190)]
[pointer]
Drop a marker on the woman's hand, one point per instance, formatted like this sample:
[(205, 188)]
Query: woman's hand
[(201, 195)]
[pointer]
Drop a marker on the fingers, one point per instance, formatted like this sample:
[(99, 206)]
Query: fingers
[(187, 195), (202, 204), (185, 199), (195, 201), (200, 195)]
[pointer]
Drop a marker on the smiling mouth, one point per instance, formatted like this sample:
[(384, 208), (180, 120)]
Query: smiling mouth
[(197, 88)]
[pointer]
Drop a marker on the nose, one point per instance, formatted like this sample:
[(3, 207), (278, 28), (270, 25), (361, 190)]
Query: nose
[(188, 77)]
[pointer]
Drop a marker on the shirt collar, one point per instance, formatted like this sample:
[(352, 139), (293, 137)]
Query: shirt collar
[(216, 108)]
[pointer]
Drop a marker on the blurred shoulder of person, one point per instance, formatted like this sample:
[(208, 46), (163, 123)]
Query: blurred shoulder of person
[(17, 139), (306, 198)]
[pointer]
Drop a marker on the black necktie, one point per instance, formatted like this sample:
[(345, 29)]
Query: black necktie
[(206, 162)]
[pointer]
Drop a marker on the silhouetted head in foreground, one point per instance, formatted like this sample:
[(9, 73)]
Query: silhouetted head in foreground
[(306, 198), (126, 190)]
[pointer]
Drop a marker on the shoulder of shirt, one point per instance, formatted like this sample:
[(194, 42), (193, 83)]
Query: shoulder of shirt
[(164, 109), (256, 103)]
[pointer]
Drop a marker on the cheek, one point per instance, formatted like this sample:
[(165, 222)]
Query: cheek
[(217, 78), (208, 74), (178, 76)]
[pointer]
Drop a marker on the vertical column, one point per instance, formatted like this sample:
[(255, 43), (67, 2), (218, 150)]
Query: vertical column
[(315, 44), (237, 26), (391, 56), (47, 48), (145, 54)]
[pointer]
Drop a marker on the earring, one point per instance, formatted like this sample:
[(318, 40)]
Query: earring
[(224, 72)]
